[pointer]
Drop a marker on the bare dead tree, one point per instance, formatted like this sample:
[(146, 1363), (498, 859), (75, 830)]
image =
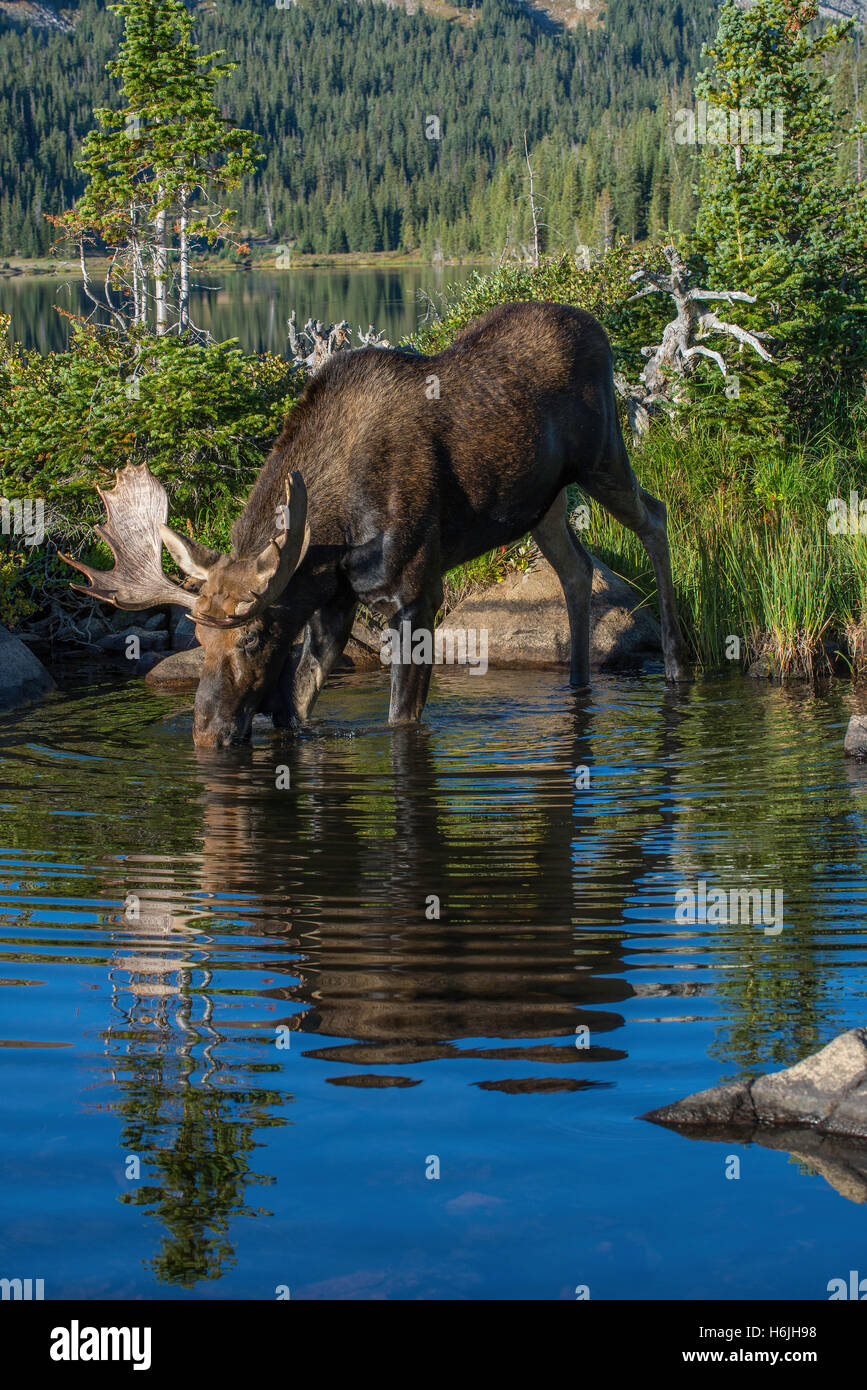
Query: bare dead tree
[(314, 345), (672, 361), (532, 206)]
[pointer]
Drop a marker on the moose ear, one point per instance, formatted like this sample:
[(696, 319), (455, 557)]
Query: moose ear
[(191, 556)]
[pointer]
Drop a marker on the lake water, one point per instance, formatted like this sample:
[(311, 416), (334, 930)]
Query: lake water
[(251, 306), (242, 1052)]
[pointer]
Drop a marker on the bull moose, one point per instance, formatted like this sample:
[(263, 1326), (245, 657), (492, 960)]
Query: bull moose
[(392, 468)]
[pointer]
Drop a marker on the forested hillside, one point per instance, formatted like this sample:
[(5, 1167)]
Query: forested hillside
[(388, 130), (342, 92)]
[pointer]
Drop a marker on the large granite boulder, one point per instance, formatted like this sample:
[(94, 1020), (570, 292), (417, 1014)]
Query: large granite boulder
[(180, 671), (827, 1093), (527, 623), (23, 678)]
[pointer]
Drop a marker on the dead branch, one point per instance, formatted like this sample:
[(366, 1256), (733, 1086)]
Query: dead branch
[(672, 360), (314, 345)]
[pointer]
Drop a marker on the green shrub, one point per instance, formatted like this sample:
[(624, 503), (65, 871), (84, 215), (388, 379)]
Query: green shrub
[(201, 416)]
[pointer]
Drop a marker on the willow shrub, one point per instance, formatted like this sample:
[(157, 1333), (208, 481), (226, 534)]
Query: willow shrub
[(752, 555)]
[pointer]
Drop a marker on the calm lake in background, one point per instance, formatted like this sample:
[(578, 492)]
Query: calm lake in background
[(246, 990), (252, 306)]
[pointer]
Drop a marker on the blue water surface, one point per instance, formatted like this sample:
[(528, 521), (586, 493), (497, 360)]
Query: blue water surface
[(327, 1039)]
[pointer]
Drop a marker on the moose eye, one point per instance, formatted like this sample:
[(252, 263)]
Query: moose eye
[(249, 642)]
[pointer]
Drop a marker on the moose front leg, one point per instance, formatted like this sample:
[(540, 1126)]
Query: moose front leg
[(412, 663), (325, 638), (313, 657)]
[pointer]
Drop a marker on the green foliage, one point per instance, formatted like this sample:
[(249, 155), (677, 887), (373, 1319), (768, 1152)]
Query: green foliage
[(603, 288), (341, 94), (751, 552), (15, 603), (155, 165), (788, 223), (200, 416)]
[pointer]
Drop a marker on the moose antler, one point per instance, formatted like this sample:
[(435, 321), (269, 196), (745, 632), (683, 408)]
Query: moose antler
[(231, 590), (135, 508), (244, 587)]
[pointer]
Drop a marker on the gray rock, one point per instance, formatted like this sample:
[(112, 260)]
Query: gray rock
[(855, 742), (764, 668), (23, 678), (826, 1092), (850, 1116), (181, 629), (810, 1092), (729, 1104), (146, 662), (148, 641), (361, 652), (180, 671), (527, 623), (123, 618)]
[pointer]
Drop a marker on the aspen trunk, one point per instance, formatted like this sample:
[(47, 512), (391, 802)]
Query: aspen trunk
[(161, 270), (184, 294)]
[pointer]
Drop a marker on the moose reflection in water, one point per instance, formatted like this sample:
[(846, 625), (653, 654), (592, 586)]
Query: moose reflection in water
[(193, 1091), (227, 915)]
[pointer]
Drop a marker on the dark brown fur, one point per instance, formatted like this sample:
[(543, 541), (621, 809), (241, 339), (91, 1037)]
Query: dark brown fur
[(413, 465)]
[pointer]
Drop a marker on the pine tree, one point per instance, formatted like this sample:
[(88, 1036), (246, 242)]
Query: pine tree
[(776, 219), (155, 165)]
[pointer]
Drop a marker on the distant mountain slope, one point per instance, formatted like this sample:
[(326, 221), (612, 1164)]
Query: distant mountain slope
[(342, 93), (25, 12)]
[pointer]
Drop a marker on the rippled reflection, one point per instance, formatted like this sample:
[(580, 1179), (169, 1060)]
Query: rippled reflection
[(259, 988)]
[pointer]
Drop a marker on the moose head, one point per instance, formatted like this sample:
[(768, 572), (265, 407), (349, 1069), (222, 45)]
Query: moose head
[(230, 598)]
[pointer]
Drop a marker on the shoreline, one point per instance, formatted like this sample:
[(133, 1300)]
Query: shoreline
[(20, 267)]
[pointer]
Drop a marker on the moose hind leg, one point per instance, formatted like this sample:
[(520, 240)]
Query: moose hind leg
[(410, 680), (644, 514), (574, 568), (653, 534)]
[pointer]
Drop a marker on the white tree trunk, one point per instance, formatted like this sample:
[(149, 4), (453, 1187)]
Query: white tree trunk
[(184, 270), (161, 271)]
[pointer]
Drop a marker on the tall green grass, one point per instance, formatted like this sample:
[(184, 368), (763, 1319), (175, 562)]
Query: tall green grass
[(752, 555)]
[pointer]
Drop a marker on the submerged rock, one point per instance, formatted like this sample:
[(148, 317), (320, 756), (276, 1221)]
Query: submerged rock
[(527, 624), (23, 678), (826, 1093), (855, 742)]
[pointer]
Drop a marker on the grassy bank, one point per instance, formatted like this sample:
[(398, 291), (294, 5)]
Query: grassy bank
[(752, 556), (262, 258), (763, 570)]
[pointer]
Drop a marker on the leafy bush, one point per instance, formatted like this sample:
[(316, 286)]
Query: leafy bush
[(201, 416)]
